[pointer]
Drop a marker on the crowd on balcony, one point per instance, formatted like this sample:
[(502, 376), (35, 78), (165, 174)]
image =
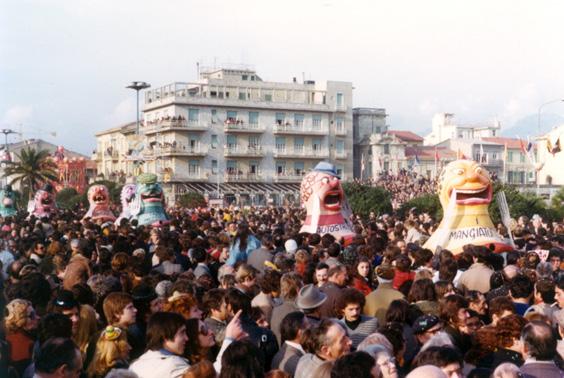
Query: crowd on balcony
[(174, 119)]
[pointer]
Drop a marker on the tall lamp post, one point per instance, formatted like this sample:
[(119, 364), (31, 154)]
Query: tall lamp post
[(137, 86)]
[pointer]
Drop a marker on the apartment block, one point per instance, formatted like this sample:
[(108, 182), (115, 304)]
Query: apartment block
[(252, 139)]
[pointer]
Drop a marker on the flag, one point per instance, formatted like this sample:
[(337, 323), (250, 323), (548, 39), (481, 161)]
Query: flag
[(553, 146), (362, 167), (481, 153), (522, 144), (460, 155), (436, 155), (417, 161)]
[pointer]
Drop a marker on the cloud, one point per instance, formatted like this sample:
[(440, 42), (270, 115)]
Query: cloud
[(124, 112), (524, 102), (17, 114)]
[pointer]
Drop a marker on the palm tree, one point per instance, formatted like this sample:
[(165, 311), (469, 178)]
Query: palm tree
[(32, 168)]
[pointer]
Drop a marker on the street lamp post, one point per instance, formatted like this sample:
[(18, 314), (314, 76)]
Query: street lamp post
[(137, 86), (6, 158)]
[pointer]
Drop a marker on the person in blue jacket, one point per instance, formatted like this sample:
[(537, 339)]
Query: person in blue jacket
[(243, 243)]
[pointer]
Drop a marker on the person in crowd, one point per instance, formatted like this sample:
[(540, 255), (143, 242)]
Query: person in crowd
[(422, 294), (290, 285), (329, 341), (321, 276), (264, 253), (58, 357), (509, 347), (337, 279), (448, 359), (112, 352), (166, 341), (184, 304), (379, 300), (477, 277), (291, 350), (64, 303), (242, 359), (543, 298), (243, 243), (521, 290), (453, 314), (267, 299), (499, 308), (216, 307), (539, 350), (20, 324), (355, 365), (362, 279), (200, 341), (309, 301), (349, 307), (385, 363)]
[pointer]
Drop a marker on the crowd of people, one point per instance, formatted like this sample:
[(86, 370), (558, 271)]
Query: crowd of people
[(236, 293), (403, 186)]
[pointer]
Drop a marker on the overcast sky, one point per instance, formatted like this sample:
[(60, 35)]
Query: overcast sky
[(64, 65)]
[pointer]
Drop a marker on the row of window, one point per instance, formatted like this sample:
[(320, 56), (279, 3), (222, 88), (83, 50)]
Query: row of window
[(281, 119)]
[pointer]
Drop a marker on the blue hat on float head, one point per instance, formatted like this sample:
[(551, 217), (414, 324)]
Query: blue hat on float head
[(328, 168)]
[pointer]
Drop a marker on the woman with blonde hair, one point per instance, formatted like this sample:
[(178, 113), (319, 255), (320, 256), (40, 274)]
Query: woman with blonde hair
[(87, 327), (112, 352), (20, 322)]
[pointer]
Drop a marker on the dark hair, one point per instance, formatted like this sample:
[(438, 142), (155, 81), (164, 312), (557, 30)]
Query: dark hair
[(546, 289), (540, 341), (512, 258), (238, 301), (521, 287), (349, 296), (509, 328), (199, 254), (54, 325), (439, 356), (403, 263), (422, 290), (270, 281), (242, 359), (449, 307), (291, 324), (334, 250), (499, 305), (397, 311), (353, 365), (213, 299), (448, 270), (193, 349), (55, 353), (394, 333), (163, 326)]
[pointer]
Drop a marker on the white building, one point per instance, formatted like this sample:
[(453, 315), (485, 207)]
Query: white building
[(252, 138), (551, 157), (444, 127)]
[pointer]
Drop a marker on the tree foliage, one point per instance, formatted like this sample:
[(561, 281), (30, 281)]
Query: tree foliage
[(31, 169), (364, 199), (526, 203), (66, 198), (192, 200)]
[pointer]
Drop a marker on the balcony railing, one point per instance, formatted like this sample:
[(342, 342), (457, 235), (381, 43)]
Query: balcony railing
[(312, 153), (303, 129), (177, 151), (284, 177), (250, 151), (182, 177), (174, 125), (243, 127), (244, 177)]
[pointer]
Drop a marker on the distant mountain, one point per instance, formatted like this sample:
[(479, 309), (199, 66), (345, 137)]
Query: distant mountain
[(528, 126)]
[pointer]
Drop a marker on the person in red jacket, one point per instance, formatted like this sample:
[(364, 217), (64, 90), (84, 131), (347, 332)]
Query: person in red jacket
[(402, 271), (362, 280), (20, 323)]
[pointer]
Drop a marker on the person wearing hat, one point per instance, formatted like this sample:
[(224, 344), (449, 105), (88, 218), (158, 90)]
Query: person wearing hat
[(425, 327), (65, 304), (291, 247), (379, 300), (310, 299)]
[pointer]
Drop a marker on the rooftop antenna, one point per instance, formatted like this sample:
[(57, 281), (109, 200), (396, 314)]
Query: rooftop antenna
[(197, 70)]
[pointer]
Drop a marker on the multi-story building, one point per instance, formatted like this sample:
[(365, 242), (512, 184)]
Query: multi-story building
[(444, 127), (366, 122), (252, 139), (550, 157)]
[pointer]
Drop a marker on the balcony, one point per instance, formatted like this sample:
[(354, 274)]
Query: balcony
[(300, 129), (241, 127), (340, 130), (240, 151), (306, 153), (244, 177), (283, 177), (184, 177), (165, 125), (168, 151), (341, 154)]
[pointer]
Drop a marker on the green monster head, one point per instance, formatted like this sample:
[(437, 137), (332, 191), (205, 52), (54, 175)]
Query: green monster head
[(7, 202), (148, 189)]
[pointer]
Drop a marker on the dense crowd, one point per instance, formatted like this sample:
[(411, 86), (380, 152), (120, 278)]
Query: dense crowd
[(403, 186), (240, 293)]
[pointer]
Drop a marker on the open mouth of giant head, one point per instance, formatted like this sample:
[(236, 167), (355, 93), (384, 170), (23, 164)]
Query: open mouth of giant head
[(332, 200), (99, 198), (151, 197), (473, 196)]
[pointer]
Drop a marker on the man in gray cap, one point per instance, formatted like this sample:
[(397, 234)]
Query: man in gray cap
[(309, 300)]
